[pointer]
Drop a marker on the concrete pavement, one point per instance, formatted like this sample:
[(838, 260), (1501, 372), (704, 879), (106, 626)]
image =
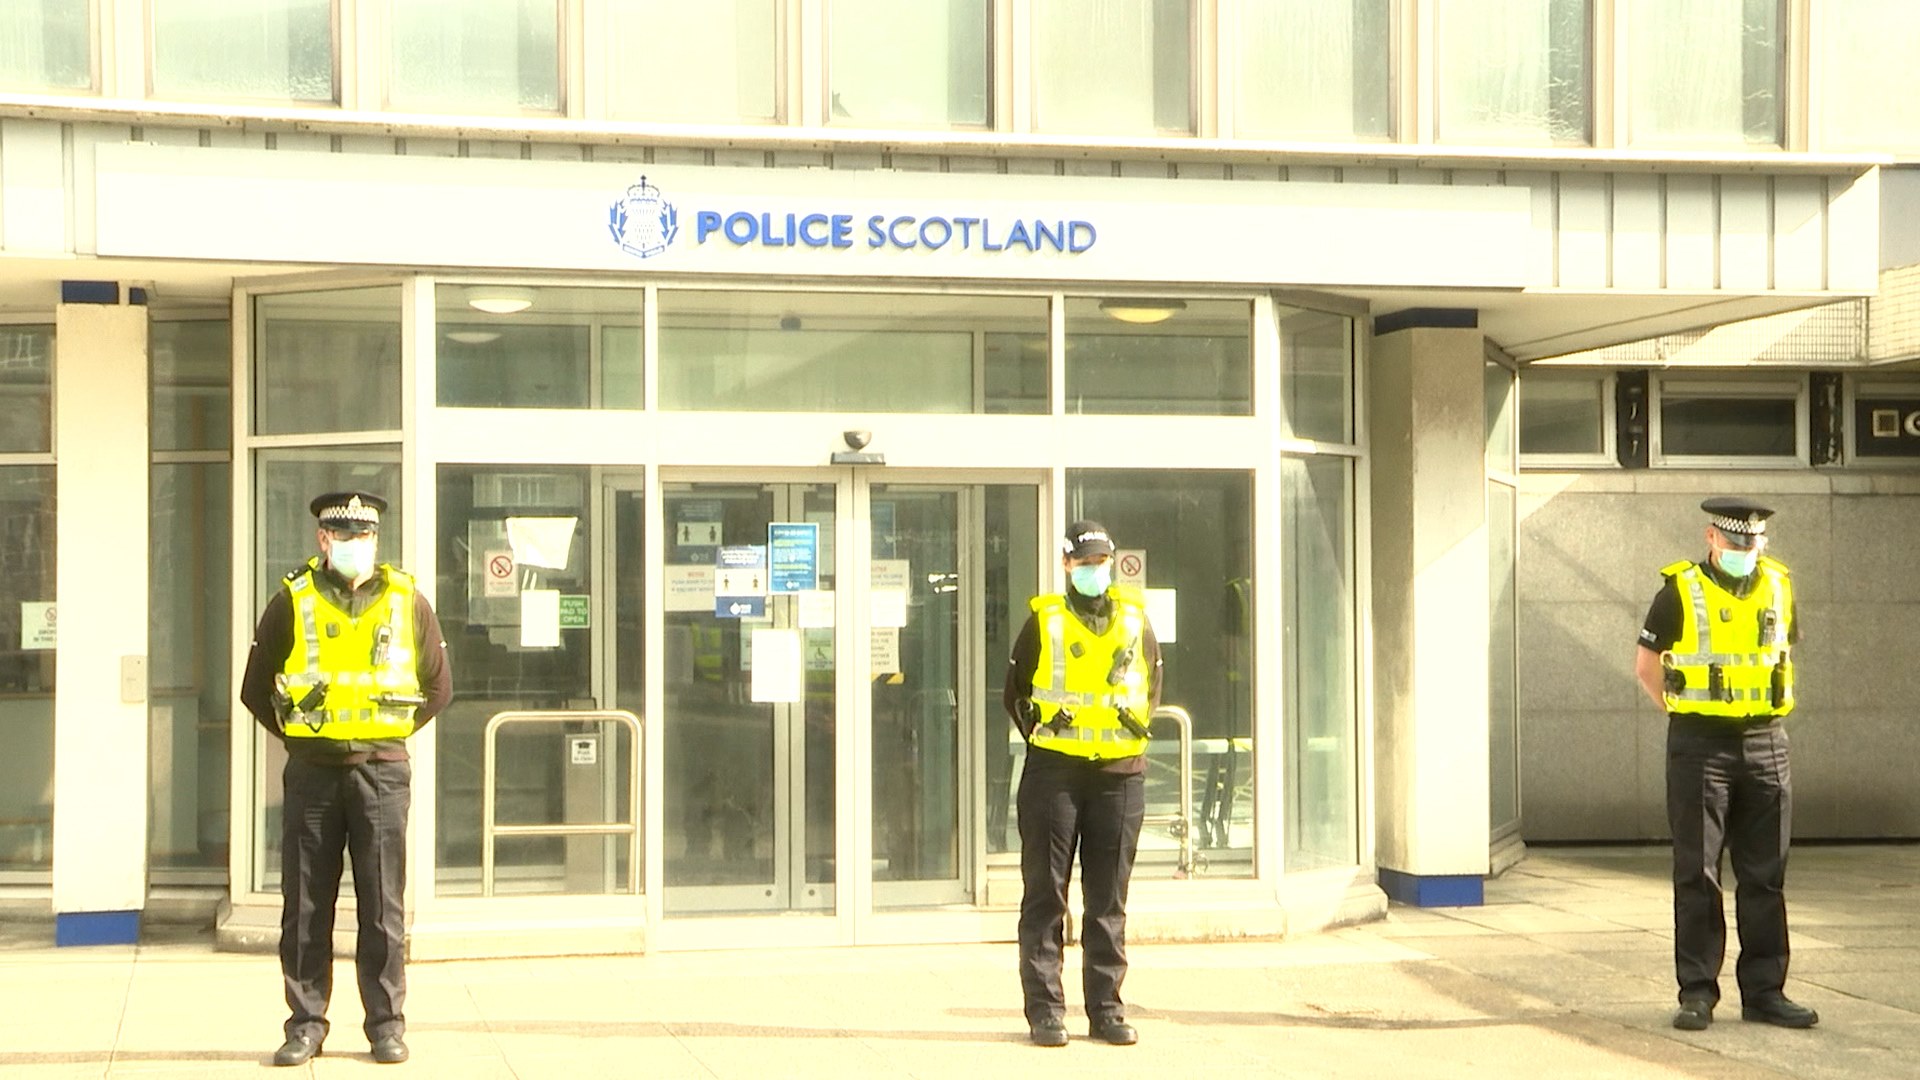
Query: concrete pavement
[(1566, 971)]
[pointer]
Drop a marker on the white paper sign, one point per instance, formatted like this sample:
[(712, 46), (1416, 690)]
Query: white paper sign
[(583, 749), (1161, 612), (497, 567), (816, 609), (777, 672), (887, 596), (540, 618), (689, 588), (38, 625), (884, 649), (1130, 567), (541, 541)]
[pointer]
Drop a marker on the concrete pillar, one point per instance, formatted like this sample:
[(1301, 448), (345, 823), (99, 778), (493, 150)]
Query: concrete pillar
[(1430, 608), (100, 677)]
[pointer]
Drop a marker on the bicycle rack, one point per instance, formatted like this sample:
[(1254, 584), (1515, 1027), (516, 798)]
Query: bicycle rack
[(491, 830), (1181, 825)]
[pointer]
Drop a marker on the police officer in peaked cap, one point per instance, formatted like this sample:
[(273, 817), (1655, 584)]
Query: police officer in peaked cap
[(347, 662), (1716, 655)]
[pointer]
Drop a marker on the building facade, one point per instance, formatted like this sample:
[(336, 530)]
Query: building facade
[(732, 368)]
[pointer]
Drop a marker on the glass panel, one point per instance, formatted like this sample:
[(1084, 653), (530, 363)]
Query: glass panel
[(852, 352), (1866, 92), (26, 666), (1316, 374), (750, 784), (1160, 357), (477, 56), (1012, 526), (1514, 71), (45, 45), (26, 389), (1197, 531), (1498, 384), (545, 775), (189, 632), (279, 49), (1317, 597), (1706, 72), (722, 66), (1313, 69), (1503, 762), (1113, 67), (909, 65), (327, 361), (287, 480), (495, 670), (538, 348), (1728, 426), (192, 385), (1563, 415)]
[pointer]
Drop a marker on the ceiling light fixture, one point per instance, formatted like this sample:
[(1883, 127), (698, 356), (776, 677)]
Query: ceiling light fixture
[(1144, 312), (499, 300), (473, 337)]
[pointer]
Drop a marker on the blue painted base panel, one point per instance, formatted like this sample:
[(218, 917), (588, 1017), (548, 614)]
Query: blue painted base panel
[(96, 928), (1433, 890)]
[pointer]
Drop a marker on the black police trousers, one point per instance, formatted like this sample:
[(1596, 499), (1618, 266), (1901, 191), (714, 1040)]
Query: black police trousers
[(363, 809), (1064, 804), (1729, 790)]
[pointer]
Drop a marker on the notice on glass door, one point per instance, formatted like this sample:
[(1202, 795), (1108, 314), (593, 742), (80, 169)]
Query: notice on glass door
[(539, 618), (816, 609), (887, 593), (778, 675), (883, 648)]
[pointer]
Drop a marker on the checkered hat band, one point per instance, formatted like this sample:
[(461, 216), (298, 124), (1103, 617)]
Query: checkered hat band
[(355, 511), (1738, 525)]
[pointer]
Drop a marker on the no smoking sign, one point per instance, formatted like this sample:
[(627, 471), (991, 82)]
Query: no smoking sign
[(1130, 566), (498, 568)]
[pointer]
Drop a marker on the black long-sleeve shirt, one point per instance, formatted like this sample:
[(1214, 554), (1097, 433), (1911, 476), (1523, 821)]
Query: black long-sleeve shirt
[(273, 640), (1094, 612)]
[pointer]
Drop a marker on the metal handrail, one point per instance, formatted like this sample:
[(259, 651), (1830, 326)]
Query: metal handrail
[(490, 830), (1181, 824)]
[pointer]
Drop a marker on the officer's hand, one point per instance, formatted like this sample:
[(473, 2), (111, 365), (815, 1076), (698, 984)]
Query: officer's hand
[(1676, 680)]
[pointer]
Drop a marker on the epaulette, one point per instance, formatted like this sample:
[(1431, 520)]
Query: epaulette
[(1671, 569)]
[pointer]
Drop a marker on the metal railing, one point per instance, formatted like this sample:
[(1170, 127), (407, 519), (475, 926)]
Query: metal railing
[(1180, 825), (490, 830)]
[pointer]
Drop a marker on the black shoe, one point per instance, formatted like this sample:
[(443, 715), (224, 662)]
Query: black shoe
[(389, 1050), (297, 1050), (1694, 1014), (1047, 1031), (1115, 1031), (1777, 1010)]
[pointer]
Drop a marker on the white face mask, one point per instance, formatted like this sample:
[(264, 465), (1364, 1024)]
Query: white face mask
[(351, 559)]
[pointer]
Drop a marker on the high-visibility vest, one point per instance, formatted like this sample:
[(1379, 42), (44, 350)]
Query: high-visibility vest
[(1091, 677), (361, 661), (1732, 651)]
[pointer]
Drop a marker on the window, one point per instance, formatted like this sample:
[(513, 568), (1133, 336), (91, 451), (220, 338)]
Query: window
[(1316, 374), (1514, 71), (1113, 67), (327, 361), (1705, 72), (1159, 356), (1862, 49), (722, 66), (481, 56), (279, 50), (923, 64), (1718, 423), (45, 45), (852, 352), (26, 388), (1885, 422), (1566, 418), (1311, 69), (538, 348), (1318, 682)]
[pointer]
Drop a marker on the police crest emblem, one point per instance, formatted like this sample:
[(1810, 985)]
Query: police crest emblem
[(643, 222)]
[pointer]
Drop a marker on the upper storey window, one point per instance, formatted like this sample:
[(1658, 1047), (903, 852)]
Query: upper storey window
[(1706, 72), (278, 50), (1113, 67), (1310, 69), (476, 56), (900, 65), (1866, 89), (1514, 71), (44, 45), (716, 61)]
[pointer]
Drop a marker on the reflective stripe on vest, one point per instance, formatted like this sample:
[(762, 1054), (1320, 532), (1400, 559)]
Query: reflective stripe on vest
[(1082, 689), (359, 660), (1732, 651)]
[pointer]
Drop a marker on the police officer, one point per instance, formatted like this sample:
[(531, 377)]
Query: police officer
[(1715, 655), (1082, 685), (347, 661)]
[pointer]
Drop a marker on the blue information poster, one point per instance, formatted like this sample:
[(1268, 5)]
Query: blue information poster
[(793, 556)]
